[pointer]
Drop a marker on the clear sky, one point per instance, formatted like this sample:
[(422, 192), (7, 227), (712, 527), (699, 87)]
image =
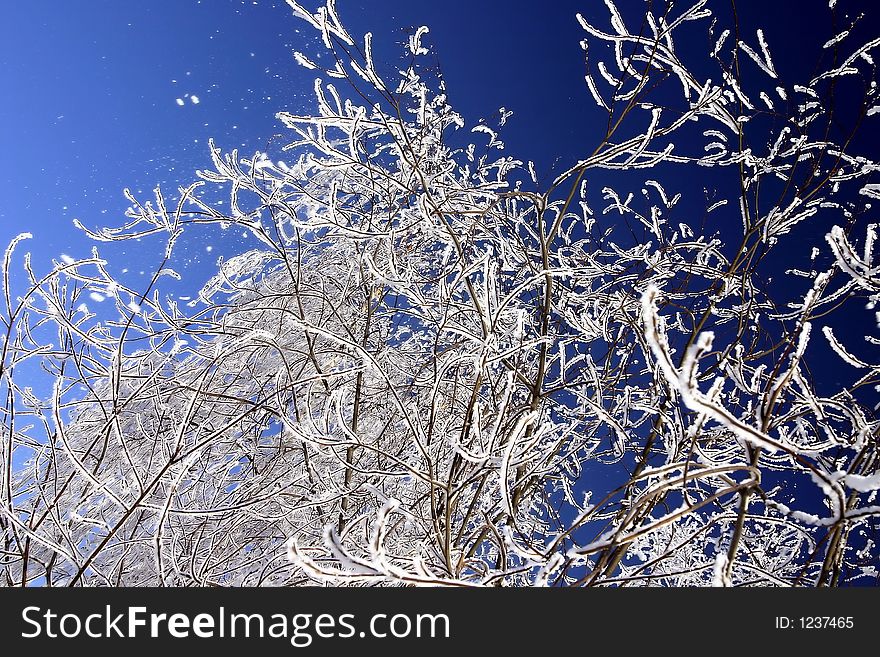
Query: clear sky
[(104, 94)]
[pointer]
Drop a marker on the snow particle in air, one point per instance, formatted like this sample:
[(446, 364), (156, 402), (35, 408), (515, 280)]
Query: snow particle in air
[(194, 99), (180, 101)]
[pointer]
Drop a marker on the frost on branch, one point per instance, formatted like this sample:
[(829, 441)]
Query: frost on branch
[(433, 372)]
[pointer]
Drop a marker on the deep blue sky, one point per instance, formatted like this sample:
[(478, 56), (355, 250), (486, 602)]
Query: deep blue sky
[(91, 94), (91, 90)]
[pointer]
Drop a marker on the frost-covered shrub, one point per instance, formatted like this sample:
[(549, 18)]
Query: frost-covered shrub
[(433, 371)]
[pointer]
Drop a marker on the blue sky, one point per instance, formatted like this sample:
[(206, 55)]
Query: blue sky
[(106, 94), (94, 89)]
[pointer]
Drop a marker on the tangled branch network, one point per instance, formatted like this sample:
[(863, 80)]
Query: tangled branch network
[(436, 369)]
